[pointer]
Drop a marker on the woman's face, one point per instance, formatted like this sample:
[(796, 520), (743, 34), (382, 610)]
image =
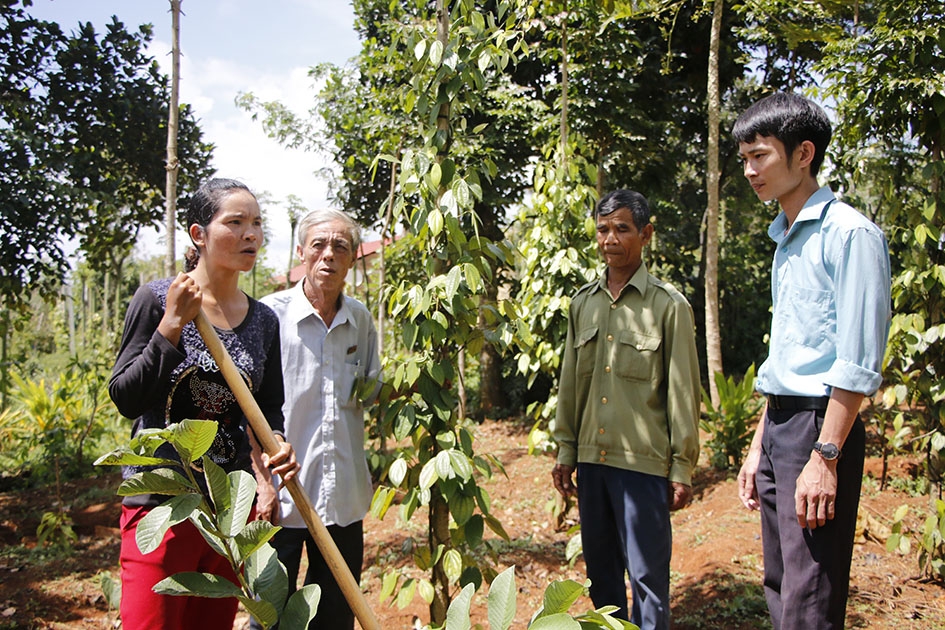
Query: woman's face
[(233, 237)]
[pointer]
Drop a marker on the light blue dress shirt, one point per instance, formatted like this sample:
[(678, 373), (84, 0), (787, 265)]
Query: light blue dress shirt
[(324, 421), (830, 286)]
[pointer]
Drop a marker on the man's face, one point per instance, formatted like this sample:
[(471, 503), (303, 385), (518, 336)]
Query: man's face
[(328, 254), (620, 242), (770, 171)]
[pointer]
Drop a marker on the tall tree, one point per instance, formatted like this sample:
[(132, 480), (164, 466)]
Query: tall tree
[(713, 334), (172, 164), (81, 119)]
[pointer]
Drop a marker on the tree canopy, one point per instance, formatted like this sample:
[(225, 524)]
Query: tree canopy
[(82, 134)]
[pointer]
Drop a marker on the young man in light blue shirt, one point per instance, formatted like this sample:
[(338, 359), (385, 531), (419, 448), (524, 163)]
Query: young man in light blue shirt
[(830, 288)]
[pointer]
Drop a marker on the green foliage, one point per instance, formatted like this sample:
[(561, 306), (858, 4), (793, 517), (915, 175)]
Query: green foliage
[(111, 589), (887, 76), (442, 303), (727, 426), (83, 118), (931, 540), (553, 614), (49, 425), (220, 517), (55, 529)]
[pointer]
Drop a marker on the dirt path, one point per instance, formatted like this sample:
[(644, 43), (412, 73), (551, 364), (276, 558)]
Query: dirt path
[(716, 557)]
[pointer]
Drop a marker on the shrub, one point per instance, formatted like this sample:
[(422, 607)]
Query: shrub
[(728, 425), (931, 555)]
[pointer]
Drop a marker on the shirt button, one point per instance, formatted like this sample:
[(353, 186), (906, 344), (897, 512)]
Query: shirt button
[(603, 459), (602, 453), (613, 306), (607, 369), (603, 400), (610, 337), (601, 431)]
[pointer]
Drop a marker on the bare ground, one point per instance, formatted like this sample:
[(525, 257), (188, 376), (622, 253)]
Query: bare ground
[(716, 558)]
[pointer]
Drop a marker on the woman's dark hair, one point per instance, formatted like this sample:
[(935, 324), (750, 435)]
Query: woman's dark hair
[(629, 199), (203, 205), (790, 118)]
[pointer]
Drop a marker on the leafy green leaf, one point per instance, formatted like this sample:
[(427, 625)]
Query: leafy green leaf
[(428, 475), (452, 564), (124, 457), (151, 529), (426, 590), (217, 484), (253, 536), (461, 507), (502, 596), (161, 481), (460, 464), (457, 615), (192, 438), (406, 593), (473, 530), (263, 611), (197, 584), (242, 492), (557, 621), (560, 595), (301, 607), (388, 582)]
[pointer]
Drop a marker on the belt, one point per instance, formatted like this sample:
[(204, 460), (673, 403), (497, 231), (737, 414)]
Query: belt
[(798, 403)]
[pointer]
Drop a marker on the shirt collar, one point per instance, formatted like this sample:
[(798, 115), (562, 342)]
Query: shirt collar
[(299, 308), (638, 280), (813, 210)]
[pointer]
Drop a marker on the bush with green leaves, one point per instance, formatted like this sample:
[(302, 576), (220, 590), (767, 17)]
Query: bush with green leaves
[(51, 424), (553, 614), (931, 543), (221, 518), (727, 426)]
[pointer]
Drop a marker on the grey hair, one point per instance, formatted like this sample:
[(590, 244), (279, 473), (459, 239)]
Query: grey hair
[(327, 215)]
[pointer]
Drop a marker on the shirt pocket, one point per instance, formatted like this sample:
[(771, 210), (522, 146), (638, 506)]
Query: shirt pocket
[(585, 347), (351, 377), (638, 357), (804, 316)]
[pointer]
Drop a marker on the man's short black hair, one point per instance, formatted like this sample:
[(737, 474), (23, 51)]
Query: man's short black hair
[(790, 118), (629, 199)]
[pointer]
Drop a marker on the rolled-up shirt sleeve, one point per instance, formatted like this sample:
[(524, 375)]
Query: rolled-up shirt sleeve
[(862, 281)]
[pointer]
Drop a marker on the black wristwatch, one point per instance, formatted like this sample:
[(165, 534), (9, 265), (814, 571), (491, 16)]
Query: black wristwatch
[(827, 450)]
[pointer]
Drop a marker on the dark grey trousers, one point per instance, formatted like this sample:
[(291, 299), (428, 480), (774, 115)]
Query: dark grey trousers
[(807, 572)]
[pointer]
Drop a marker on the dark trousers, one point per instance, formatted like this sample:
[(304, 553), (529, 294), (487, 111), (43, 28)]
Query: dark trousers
[(625, 529), (807, 572), (333, 610)]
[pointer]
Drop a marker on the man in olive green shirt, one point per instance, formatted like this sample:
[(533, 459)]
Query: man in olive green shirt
[(628, 412)]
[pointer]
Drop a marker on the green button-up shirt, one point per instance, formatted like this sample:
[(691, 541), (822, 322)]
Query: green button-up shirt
[(629, 390)]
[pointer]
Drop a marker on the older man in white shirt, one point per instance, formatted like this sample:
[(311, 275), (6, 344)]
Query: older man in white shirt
[(329, 348)]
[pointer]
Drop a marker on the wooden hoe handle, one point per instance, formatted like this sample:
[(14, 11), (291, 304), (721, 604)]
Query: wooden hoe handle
[(266, 438)]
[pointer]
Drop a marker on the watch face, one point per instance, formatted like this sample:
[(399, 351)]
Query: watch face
[(828, 450)]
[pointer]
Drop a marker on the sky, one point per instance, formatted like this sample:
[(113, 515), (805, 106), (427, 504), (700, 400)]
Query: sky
[(228, 47)]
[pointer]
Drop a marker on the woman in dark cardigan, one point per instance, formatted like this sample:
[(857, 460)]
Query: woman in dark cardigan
[(164, 374)]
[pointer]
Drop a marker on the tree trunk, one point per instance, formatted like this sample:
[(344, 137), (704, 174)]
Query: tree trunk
[(106, 295), (172, 165), (439, 510), (713, 336), (439, 534), (293, 223)]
